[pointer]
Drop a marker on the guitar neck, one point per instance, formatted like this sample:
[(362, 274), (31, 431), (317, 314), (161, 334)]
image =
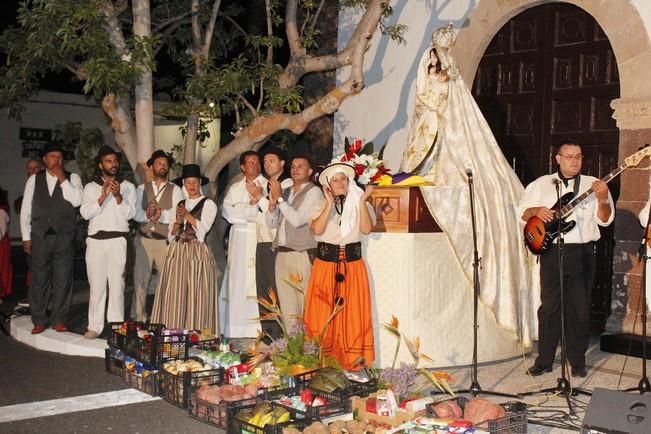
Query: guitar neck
[(567, 209)]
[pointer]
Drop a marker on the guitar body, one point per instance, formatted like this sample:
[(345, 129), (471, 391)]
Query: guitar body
[(539, 235)]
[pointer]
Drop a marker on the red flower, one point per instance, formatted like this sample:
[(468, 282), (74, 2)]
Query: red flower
[(359, 169), (381, 170), (356, 146)]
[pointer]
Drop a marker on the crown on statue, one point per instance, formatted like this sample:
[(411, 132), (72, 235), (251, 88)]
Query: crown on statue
[(444, 37)]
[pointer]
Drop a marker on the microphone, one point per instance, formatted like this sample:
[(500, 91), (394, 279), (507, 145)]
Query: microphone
[(469, 173)]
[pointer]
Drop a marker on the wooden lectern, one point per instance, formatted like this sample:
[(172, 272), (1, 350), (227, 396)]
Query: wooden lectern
[(401, 209)]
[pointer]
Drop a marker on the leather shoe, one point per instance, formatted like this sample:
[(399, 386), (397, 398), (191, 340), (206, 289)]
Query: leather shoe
[(38, 328), (579, 371), (537, 370), (60, 327)]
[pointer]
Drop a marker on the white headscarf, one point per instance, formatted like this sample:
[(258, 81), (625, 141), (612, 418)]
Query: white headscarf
[(350, 213)]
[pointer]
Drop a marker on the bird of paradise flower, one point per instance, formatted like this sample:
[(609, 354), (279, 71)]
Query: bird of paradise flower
[(440, 379)]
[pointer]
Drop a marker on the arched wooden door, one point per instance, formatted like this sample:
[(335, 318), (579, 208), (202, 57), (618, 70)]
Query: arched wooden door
[(547, 76)]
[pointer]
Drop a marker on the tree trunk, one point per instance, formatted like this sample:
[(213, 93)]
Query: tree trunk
[(144, 102), (123, 129)]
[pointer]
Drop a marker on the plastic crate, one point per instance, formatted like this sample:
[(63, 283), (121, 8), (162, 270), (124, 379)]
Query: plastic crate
[(114, 361), (176, 389), (148, 384), (334, 407), (512, 423), (119, 339), (158, 348), (364, 389), (220, 415), (240, 426)]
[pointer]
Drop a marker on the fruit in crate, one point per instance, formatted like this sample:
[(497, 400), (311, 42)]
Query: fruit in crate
[(329, 380), (264, 414), (215, 394), (176, 367)]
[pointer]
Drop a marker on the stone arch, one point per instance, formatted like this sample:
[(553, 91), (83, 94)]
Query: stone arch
[(619, 19)]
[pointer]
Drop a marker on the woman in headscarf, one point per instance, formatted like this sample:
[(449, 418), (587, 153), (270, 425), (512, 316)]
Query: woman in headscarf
[(186, 292), (338, 304)]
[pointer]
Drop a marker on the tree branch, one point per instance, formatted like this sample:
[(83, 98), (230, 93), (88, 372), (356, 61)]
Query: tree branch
[(247, 104), (211, 27), (291, 30), (196, 31), (113, 28), (160, 26)]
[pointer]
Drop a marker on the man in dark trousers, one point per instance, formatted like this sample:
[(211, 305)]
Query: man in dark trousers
[(578, 253), (48, 219)]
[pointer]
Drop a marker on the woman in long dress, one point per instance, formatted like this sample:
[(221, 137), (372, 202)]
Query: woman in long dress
[(339, 281), (186, 292)]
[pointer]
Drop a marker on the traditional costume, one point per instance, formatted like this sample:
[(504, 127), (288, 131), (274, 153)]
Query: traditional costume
[(339, 275), (186, 291)]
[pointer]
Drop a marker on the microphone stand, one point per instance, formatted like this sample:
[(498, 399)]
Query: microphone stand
[(563, 387), (644, 386), (475, 389)]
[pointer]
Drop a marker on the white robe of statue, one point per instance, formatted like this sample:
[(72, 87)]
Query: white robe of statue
[(509, 275)]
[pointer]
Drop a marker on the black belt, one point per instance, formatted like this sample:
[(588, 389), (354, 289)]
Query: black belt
[(331, 252), (108, 235)]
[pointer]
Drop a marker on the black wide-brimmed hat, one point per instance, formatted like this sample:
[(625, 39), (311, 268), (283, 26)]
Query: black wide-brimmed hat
[(159, 153), (51, 147), (190, 171), (106, 150)]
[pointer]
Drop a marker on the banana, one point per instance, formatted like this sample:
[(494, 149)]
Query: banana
[(284, 417), (266, 419)]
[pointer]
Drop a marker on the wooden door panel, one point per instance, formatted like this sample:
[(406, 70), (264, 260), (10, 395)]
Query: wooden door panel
[(547, 76)]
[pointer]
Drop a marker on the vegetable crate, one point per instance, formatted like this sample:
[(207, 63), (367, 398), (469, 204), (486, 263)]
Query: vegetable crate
[(334, 407), (123, 332), (512, 423), (176, 388), (241, 426), (114, 361), (156, 349), (364, 389), (221, 415), (144, 383), (401, 416)]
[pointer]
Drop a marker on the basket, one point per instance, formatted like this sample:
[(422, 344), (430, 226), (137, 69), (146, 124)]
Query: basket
[(176, 389), (364, 389), (512, 423), (120, 340), (148, 384), (114, 361), (240, 426), (220, 415), (158, 348)]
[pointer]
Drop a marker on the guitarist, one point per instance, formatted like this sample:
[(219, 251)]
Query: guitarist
[(579, 260)]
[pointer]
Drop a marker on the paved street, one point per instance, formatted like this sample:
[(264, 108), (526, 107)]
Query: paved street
[(28, 376)]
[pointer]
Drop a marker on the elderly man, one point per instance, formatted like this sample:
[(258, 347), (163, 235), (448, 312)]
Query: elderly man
[(48, 219), (108, 204), (155, 207), (291, 210), (239, 304)]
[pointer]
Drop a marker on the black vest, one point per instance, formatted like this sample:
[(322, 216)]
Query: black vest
[(51, 212)]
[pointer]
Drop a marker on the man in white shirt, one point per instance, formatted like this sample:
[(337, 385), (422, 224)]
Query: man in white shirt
[(108, 204), (238, 296), (579, 261), (273, 159), (291, 210), (155, 206), (48, 220)]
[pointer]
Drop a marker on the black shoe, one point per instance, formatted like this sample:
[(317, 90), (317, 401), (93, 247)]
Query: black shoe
[(579, 371), (537, 370)]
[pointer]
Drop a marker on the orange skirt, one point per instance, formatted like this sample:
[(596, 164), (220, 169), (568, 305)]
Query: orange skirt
[(350, 334)]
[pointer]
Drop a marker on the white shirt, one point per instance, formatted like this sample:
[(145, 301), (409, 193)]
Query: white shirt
[(71, 189), (204, 221), (542, 192), (166, 215), (109, 216), (237, 209), (4, 223), (309, 210), (332, 234), (267, 234)]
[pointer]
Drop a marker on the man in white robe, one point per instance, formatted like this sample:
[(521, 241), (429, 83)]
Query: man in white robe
[(238, 296)]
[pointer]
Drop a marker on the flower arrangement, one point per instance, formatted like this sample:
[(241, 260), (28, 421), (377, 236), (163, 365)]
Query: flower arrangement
[(368, 165), (409, 380)]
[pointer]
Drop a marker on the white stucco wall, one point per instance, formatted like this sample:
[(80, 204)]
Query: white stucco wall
[(382, 112)]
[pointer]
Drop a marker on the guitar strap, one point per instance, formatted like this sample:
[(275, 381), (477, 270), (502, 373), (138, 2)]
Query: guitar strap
[(577, 184)]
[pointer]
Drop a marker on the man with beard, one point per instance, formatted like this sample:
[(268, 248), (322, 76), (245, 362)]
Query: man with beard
[(155, 205), (238, 296), (265, 257), (108, 203), (292, 210), (48, 218)]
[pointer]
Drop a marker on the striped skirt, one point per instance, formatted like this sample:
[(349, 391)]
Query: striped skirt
[(349, 336), (187, 288)]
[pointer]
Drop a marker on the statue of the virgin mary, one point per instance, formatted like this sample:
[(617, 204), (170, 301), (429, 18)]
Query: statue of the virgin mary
[(449, 137)]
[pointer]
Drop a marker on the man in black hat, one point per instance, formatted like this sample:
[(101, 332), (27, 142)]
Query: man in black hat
[(48, 218), (156, 202), (108, 204)]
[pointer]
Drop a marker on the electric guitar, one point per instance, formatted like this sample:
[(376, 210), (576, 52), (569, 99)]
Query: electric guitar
[(539, 235)]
